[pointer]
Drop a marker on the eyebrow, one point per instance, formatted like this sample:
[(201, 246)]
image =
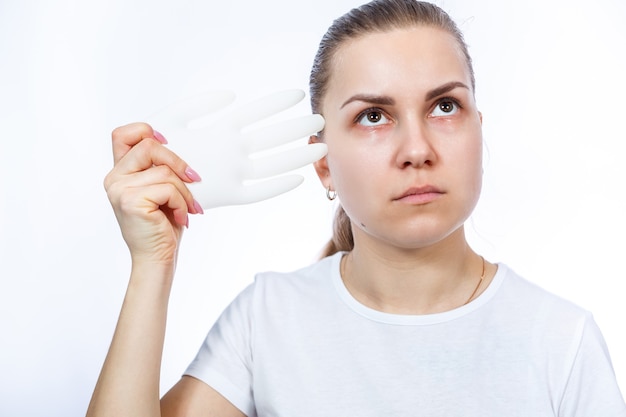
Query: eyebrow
[(388, 101), (446, 88), (368, 98)]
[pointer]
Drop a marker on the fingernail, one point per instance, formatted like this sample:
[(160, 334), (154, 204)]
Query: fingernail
[(197, 207), (158, 136), (192, 175)]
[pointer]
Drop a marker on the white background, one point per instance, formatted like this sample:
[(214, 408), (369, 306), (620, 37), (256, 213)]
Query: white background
[(551, 85)]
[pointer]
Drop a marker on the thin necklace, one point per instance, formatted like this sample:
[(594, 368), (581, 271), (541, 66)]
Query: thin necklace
[(480, 281), (482, 277)]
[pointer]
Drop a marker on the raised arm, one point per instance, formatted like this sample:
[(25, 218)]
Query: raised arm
[(148, 192)]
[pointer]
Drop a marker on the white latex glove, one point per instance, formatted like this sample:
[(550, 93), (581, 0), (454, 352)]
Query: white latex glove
[(221, 153)]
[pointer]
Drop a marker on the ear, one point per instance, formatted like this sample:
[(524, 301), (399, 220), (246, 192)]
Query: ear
[(321, 165), (480, 115)]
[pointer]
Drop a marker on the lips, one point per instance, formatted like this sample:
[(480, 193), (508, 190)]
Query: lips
[(420, 195)]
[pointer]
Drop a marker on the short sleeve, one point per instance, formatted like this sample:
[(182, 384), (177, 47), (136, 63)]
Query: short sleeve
[(224, 360), (592, 388)]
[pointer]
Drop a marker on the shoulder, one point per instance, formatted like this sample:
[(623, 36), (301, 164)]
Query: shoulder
[(296, 293), (534, 312), (300, 292), (562, 337), (316, 275), (553, 328), (525, 294)]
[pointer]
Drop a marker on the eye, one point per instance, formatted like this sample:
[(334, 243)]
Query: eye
[(445, 107), (372, 117)]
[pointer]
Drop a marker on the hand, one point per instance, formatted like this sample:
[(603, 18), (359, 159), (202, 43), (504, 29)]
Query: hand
[(148, 192), (224, 154)]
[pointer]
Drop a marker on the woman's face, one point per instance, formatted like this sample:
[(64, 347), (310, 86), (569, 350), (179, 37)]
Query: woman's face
[(404, 136)]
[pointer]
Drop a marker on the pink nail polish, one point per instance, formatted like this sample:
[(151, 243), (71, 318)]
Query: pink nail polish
[(192, 175), (158, 136), (197, 207)]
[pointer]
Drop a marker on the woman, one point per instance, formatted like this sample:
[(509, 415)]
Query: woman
[(401, 317)]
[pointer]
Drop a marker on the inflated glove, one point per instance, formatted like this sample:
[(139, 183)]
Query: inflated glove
[(239, 165)]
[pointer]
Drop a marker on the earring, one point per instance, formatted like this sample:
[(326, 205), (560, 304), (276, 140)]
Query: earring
[(331, 194)]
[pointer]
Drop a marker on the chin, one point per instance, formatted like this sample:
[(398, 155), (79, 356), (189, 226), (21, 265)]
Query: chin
[(411, 232), (422, 237)]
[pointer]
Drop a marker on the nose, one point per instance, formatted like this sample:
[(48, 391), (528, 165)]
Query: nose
[(414, 146)]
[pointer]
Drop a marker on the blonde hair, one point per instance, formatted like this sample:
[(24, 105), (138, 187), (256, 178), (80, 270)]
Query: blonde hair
[(375, 16)]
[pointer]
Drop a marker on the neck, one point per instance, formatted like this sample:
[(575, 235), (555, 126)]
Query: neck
[(428, 280)]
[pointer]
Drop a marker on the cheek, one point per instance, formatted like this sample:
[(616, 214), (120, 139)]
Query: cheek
[(354, 166), (360, 181), (343, 170), (473, 157), (476, 154), (468, 148)]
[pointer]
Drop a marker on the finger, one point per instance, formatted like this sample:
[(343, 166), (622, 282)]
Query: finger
[(148, 153), (285, 161), (181, 113), (158, 175), (266, 106), (264, 190), (151, 199), (283, 132), (125, 137)]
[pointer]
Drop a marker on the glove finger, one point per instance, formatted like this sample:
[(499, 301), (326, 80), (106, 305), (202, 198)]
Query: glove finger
[(264, 190), (285, 161), (181, 113), (238, 194), (266, 106), (283, 132)]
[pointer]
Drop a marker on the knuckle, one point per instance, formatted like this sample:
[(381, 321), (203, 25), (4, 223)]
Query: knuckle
[(113, 190), (112, 181), (108, 180), (178, 196), (133, 129), (163, 173), (146, 148), (145, 144), (172, 190), (118, 133)]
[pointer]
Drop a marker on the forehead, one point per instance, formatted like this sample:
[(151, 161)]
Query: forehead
[(406, 61)]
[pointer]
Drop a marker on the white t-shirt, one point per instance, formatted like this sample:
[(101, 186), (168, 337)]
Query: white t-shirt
[(298, 344)]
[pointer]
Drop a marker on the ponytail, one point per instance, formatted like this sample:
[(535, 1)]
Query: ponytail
[(342, 240)]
